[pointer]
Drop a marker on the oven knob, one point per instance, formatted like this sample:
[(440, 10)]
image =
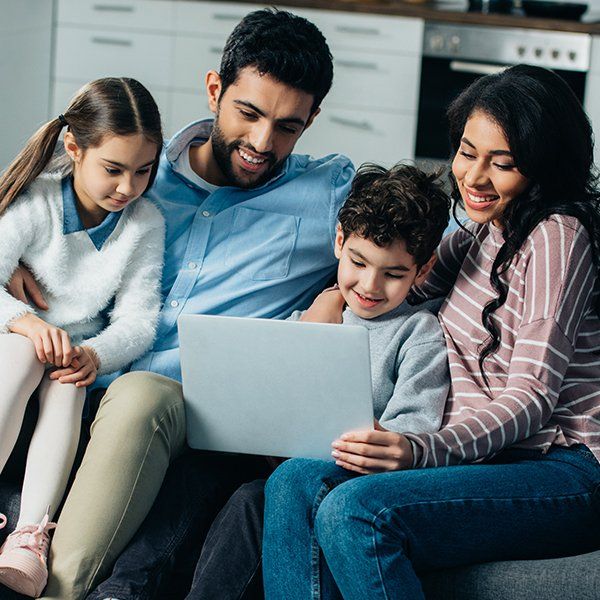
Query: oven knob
[(436, 42), (538, 52), (555, 54), (572, 55), (521, 50), (454, 43)]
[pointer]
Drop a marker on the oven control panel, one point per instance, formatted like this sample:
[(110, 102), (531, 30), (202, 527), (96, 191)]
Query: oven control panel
[(508, 46)]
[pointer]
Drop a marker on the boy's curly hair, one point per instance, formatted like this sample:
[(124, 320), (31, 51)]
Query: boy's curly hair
[(401, 203)]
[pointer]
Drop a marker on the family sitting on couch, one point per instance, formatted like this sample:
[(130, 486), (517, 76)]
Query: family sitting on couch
[(486, 442)]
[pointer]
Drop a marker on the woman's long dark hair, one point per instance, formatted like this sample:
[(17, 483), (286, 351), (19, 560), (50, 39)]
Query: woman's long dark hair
[(550, 138), (109, 106)]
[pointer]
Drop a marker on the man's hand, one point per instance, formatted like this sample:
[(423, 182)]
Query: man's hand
[(83, 369), (52, 344), (376, 451), (23, 287), (327, 307)]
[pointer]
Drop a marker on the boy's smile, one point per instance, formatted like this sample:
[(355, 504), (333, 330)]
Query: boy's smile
[(375, 280)]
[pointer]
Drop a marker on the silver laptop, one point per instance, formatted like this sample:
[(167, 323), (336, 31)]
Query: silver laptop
[(279, 388)]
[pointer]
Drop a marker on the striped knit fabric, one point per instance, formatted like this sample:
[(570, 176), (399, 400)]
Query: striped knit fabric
[(545, 377)]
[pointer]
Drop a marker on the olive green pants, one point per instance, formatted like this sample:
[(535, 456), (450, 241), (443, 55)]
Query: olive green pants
[(138, 430)]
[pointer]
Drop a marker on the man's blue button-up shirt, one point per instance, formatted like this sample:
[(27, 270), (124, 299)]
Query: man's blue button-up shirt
[(261, 252)]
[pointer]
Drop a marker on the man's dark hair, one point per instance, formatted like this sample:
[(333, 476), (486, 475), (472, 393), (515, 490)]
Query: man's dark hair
[(277, 43), (401, 203)]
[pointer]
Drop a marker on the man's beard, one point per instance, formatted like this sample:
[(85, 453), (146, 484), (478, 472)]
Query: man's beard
[(222, 151)]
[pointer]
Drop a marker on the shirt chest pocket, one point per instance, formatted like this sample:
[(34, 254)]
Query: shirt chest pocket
[(260, 244)]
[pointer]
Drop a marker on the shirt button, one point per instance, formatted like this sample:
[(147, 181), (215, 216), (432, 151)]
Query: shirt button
[(192, 265), (205, 213), (174, 303)]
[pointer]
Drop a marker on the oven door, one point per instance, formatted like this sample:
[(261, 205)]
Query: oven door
[(442, 79)]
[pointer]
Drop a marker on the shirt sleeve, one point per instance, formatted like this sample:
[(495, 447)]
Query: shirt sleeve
[(134, 318), (17, 232), (422, 384), (559, 281), (450, 256)]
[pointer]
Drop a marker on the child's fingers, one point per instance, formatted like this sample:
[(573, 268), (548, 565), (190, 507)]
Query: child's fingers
[(67, 349), (88, 380), (39, 349), (57, 347), (47, 344), (58, 373), (76, 376)]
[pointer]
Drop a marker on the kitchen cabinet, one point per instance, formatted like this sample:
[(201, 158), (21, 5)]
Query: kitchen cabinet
[(25, 62), (370, 113), (592, 93)]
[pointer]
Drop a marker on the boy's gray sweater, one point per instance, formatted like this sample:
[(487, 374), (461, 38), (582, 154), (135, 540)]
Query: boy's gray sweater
[(409, 367)]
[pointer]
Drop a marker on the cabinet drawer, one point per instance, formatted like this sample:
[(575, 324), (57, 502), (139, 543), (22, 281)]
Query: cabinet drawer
[(187, 107), (369, 32), (376, 137), (215, 18), (117, 14), (65, 90), (82, 55), (372, 81), (193, 57)]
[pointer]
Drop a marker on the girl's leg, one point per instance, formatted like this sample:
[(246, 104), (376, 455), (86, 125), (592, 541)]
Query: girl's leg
[(292, 565), (379, 532), (20, 374), (52, 449)]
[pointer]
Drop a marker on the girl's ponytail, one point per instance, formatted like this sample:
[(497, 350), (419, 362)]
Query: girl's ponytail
[(30, 162), (108, 106)]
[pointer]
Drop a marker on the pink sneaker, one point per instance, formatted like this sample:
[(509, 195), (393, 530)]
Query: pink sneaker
[(23, 558)]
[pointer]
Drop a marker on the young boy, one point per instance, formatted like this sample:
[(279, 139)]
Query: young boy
[(389, 227)]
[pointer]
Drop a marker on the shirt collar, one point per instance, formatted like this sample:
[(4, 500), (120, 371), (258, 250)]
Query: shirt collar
[(197, 133), (72, 221)]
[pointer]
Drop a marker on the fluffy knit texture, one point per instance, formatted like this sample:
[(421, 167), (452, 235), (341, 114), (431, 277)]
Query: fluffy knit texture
[(80, 282)]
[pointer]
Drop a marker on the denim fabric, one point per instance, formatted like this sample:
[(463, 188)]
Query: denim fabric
[(160, 559), (376, 534)]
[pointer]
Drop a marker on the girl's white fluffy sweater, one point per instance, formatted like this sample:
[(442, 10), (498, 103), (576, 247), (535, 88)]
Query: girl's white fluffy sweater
[(78, 281)]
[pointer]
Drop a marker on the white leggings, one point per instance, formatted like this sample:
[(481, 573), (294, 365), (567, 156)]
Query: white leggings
[(54, 441)]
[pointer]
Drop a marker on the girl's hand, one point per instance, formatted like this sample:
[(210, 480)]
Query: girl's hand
[(376, 451), (82, 371), (23, 287), (52, 344), (327, 307)]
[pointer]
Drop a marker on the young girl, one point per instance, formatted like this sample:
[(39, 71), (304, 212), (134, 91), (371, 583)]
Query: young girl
[(76, 222), (514, 471)]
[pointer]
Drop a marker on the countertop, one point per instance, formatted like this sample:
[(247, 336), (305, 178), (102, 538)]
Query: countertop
[(439, 11)]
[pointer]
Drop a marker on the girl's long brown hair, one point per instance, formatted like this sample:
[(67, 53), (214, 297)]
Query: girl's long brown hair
[(109, 106)]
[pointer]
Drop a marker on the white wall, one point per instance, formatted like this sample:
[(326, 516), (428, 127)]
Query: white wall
[(25, 59)]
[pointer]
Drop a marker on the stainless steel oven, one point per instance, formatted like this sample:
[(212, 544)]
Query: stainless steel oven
[(455, 55)]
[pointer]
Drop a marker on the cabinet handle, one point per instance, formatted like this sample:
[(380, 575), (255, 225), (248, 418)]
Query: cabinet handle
[(111, 41), (113, 8), (360, 30), (226, 17), (357, 64), (477, 68), (216, 50), (362, 125)]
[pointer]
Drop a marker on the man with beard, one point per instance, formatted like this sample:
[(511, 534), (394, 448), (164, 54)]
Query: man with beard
[(250, 232)]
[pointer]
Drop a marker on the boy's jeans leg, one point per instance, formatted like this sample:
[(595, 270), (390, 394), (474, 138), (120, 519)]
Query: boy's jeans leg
[(139, 428), (378, 532), (292, 564)]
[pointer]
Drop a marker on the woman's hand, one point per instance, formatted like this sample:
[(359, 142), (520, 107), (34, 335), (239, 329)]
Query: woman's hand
[(52, 344), (327, 307), (376, 451), (82, 371)]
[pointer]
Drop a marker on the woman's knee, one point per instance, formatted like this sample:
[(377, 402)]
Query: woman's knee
[(142, 398), (20, 350)]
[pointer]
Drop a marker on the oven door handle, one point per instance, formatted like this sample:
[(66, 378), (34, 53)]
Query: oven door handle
[(461, 66)]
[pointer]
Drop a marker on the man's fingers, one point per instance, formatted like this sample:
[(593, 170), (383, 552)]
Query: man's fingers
[(32, 290)]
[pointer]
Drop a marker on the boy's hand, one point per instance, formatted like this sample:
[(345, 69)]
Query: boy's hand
[(327, 307), (23, 286), (375, 451), (52, 344), (83, 369)]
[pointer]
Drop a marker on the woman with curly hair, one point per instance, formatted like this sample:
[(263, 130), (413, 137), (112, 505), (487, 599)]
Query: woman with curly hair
[(513, 473)]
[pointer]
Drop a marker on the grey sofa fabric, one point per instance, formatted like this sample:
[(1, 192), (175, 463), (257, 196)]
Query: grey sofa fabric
[(570, 578)]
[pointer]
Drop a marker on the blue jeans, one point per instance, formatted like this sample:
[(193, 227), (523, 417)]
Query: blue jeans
[(328, 531)]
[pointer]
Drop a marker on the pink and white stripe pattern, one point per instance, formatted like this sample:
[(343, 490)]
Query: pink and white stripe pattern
[(545, 377)]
